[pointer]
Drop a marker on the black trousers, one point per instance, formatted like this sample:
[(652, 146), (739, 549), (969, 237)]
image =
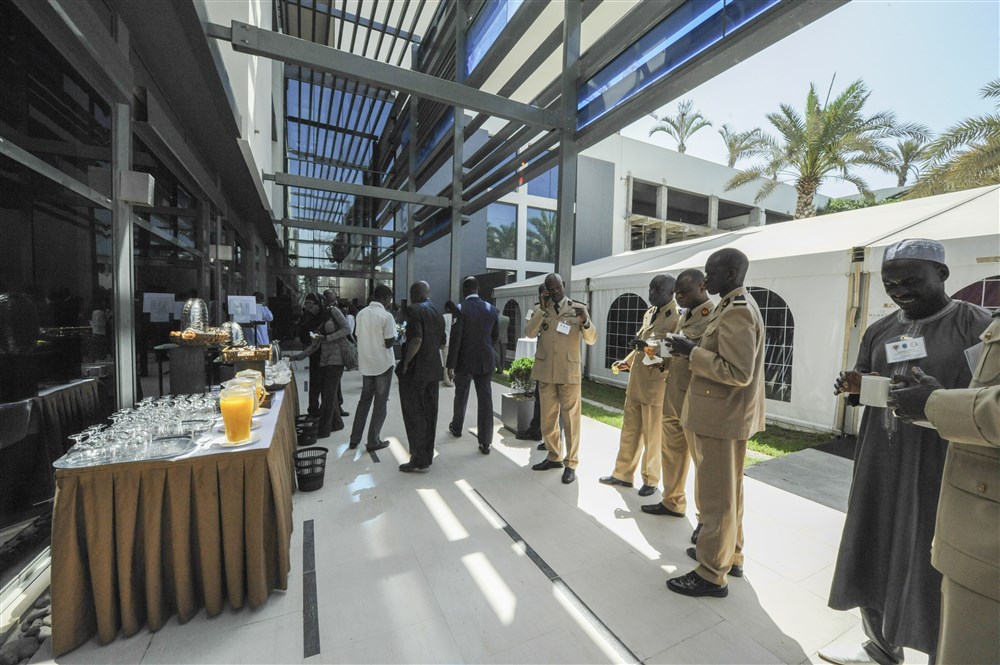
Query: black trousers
[(484, 404), (878, 648), (418, 400), (315, 384), (329, 411)]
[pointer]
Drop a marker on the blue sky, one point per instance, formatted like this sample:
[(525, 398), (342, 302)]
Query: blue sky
[(926, 61)]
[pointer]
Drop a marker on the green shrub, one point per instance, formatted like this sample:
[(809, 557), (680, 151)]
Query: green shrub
[(520, 375)]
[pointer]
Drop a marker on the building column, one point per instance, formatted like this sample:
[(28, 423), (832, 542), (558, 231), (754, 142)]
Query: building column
[(123, 258), (713, 211), (568, 152), (457, 158), (758, 217)]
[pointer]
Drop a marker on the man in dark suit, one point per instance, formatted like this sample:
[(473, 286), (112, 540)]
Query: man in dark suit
[(472, 359), (420, 376)]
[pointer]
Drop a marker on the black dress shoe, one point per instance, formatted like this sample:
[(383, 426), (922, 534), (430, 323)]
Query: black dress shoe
[(569, 476), (694, 534), (659, 509), (410, 467), (611, 480), (696, 586), (454, 431), (344, 414), (541, 446), (646, 490), (547, 464), (735, 571), (529, 436), (378, 446), (484, 449)]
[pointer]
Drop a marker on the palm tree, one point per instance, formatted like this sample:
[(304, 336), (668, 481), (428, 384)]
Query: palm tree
[(908, 156), (828, 141), (542, 236), (501, 241), (966, 155), (681, 126), (740, 144)]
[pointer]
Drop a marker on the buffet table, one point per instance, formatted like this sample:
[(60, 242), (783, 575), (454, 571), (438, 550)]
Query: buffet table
[(134, 543)]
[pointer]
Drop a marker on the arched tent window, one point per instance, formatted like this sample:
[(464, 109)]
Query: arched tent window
[(985, 292), (779, 330), (624, 319), (513, 313)]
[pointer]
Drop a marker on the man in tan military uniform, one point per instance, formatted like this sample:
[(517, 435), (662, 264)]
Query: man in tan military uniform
[(724, 407), (676, 446), (559, 324), (641, 428), (966, 546)]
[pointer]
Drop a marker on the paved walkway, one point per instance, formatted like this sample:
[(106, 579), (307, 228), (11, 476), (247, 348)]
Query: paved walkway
[(482, 559)]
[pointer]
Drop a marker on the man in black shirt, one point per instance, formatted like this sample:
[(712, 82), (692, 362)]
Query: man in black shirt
[(419, 375)]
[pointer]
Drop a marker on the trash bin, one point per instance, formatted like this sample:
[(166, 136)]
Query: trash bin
[(306, 429), (310, 466)]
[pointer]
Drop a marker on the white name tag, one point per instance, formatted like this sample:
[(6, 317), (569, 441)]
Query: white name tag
[(562, 327), (905, 349)]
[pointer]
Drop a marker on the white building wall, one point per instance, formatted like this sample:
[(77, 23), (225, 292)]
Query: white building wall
[(252, 81)]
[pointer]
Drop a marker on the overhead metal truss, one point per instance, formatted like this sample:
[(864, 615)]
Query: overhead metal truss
[(360, 150)]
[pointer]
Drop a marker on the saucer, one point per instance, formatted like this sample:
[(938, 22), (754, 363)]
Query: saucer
[(254, 438), (262, 411), (221, 429)]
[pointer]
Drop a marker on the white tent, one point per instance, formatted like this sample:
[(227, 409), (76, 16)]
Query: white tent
[(825, 269)]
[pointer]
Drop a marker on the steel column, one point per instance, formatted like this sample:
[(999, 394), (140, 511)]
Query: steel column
[(123, 261), (411, 210), (568, 154), (457, 157)]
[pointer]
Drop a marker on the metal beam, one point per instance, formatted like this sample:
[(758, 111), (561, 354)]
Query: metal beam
[(333, 128), (123, 260), (43, 168), (249, 39), (328, 80), (323, 8), (345, 228), (331, 272), (289, 180)]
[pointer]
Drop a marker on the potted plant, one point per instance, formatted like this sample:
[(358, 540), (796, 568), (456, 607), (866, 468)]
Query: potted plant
[(517, 406)]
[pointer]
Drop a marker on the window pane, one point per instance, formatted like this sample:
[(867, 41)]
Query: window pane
[(624, 320), (778, 340), (546, 185), (541, 235), (501, 231)]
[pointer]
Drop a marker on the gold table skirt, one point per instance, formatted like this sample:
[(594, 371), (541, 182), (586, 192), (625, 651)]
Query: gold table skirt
[(134, 543)]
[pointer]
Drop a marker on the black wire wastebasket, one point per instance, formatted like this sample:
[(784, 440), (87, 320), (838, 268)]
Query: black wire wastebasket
[(306, 429), (310, 468)]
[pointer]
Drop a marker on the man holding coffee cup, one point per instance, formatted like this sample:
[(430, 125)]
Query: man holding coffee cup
[(883, 567)]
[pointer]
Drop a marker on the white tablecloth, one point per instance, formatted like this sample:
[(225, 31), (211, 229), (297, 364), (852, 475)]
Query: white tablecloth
[(525, 348)]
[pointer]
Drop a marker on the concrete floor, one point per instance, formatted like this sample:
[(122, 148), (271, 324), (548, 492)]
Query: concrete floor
[(483, 560)]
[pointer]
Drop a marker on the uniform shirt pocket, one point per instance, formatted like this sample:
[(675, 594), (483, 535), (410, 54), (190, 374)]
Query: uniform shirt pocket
[(709, 389)]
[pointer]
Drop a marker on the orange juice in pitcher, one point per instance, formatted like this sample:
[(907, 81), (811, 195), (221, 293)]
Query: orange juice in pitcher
[(237, 403)]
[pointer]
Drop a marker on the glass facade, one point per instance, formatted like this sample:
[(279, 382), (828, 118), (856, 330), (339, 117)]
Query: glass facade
[(541, 238), (547, 184), (686, 32), (501, 231), (492, 19)]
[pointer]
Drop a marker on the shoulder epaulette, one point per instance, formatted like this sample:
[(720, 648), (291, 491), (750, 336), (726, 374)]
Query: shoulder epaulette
[(739, 300)]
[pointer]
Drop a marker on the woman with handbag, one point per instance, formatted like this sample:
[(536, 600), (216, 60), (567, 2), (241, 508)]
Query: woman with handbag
[(328, 335)]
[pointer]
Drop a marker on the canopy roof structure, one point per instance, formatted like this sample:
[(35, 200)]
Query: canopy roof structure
[(381, 95)]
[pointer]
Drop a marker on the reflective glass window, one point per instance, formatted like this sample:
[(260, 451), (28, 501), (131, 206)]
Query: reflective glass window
[(501, 231), (541, 240), (547, 184)]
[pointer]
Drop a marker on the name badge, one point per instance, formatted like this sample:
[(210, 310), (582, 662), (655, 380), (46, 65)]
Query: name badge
[(562, 328), (905, 349)]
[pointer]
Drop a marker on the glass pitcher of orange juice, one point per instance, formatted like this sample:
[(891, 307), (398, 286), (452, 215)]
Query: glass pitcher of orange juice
[(237, 403), (258, 378), (249, 382)]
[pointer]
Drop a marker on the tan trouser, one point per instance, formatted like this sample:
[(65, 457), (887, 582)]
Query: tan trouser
[(677, 450), (554, 397), (970, 626), (719, 495), (641, 432)]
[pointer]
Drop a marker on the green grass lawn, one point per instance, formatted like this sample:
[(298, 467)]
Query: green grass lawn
[(774, 442)]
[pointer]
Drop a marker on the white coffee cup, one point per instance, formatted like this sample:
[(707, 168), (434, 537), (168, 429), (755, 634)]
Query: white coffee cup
[(875, 390)]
